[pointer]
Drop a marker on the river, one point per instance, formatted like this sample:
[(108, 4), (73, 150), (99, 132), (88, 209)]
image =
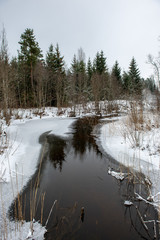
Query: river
[(90, 203)]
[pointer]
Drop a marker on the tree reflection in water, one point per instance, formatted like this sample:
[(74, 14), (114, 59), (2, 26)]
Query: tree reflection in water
[(82, 138), (81, 141), (56, 151)]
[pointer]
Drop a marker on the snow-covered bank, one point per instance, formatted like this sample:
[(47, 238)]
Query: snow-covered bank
[(142, 159), (25, 146), (18, 164)]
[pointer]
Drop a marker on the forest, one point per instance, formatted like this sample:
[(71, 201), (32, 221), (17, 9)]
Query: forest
[(33, 80)]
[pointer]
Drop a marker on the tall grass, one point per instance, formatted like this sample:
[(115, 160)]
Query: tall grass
[(20, 205), (137, 123)]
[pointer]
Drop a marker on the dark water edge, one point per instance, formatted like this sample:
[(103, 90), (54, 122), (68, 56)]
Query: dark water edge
[(74, 171)]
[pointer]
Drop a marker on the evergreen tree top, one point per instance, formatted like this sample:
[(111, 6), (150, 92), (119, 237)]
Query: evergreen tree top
[(78, 66), (99, 63), (54, 60), (116, 71), (89, 66), (30, 51), (134, 72), (74, 65)]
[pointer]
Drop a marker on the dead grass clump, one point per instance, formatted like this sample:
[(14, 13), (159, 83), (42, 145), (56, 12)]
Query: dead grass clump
[(136, 116), (60, 112), (111, 107), (18, 115), (72, 114), (133, 126), (138, 123)]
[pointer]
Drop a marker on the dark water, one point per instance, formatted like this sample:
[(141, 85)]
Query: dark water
[(74, 172)]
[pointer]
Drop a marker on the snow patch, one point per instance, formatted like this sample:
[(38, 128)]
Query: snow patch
[(118, 175), (128, 203)]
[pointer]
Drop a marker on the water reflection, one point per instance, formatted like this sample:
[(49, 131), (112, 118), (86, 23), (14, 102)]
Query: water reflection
[(82, 138), (81, 141), (56, 151)]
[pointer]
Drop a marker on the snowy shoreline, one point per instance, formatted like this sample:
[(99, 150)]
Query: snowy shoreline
[(138, 159), (19, 163)]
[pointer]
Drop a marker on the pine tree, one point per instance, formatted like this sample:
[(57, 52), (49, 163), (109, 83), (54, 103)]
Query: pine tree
[(29, 52), (29, 55)]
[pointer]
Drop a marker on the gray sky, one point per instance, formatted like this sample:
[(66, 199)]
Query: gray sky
[(121, 28)]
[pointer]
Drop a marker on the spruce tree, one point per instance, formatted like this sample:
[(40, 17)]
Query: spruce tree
[(50, 58), (150, 84), (99, 63), (60, 77), (74, 66), (82, 67), (89, 68), (54, 60), (135, 83), (56, 73), (89, 71), (51, 83), (96, 63), (115, 81), (59, 61), (103, 65), (99, 79), (79, 79), (116, 72), (126, 82)]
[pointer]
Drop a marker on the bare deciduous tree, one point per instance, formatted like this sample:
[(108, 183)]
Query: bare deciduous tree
[(4, 70), (155, 63)]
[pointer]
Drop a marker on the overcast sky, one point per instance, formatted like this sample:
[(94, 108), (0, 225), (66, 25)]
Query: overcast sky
[(121, 28)]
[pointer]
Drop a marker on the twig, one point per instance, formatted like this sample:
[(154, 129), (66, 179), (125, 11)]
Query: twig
[(142, 221), (154, 223), (141, 198), (50, 212)]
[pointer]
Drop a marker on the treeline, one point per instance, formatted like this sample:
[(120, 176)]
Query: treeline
[(30, 80)]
